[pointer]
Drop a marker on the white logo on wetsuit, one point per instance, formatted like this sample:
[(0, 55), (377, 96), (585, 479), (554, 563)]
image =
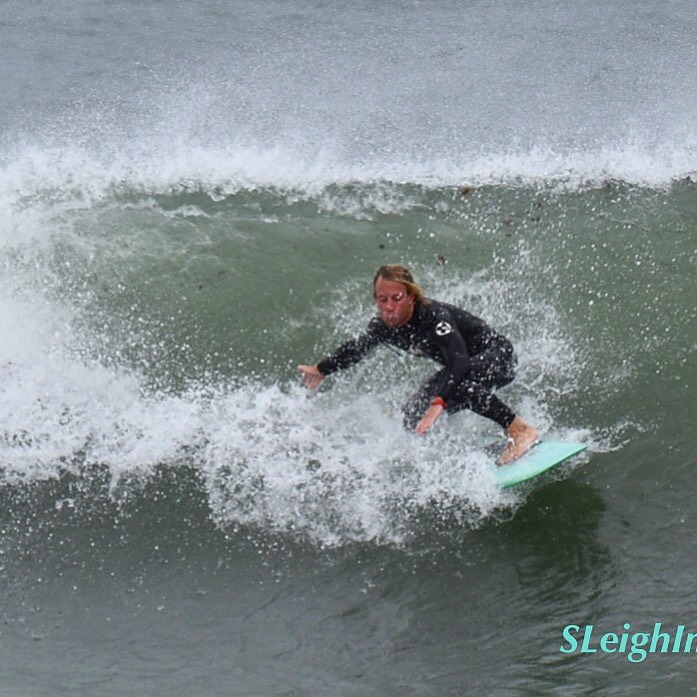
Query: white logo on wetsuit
[(443, 329)]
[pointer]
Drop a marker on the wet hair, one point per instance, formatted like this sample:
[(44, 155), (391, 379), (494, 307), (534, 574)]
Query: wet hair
[(400, 274)]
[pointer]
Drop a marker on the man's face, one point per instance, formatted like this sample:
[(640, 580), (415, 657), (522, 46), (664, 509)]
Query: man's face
[(395, 302)]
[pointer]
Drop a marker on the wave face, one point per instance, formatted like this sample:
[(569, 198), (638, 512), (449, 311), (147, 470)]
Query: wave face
[(180, 228), (149, 330)]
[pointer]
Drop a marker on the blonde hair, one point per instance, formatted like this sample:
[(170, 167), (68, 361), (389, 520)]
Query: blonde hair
[(400, 274)]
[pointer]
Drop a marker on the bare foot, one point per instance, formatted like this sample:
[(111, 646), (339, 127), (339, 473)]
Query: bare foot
[(521, 437)]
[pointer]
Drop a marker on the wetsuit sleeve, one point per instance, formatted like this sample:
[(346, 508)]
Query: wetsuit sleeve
[(456, 357), (352, 351)]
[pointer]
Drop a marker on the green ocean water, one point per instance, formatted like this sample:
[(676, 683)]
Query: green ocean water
[(178, 515), (160, 455)]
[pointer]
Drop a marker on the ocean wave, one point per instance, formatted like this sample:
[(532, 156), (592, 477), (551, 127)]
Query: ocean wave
[(81, 177)]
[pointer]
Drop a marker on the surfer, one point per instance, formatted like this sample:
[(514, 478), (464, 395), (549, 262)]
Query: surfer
[(475, 358)]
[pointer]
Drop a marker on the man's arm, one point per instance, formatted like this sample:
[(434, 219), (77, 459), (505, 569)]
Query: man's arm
[(348, 354), (457, 361), (456, 357)]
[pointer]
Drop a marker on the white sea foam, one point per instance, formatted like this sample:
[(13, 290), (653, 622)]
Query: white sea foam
[(335, 467), (80, 176), (332, 468)]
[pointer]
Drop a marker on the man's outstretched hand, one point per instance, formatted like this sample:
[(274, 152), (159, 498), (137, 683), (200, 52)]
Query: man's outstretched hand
[(311, 376)]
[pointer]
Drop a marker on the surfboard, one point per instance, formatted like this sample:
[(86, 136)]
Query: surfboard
[(541, 457)]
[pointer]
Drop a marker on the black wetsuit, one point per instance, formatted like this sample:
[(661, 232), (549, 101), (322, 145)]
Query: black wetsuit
[(476, 359)]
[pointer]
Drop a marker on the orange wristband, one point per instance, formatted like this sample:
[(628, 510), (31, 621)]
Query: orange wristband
[(438, 401)]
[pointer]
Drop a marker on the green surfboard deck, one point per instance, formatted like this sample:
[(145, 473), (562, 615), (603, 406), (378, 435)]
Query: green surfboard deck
[(541, 457)]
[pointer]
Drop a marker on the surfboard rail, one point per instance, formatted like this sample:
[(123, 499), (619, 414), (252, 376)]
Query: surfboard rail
[(541, 457)]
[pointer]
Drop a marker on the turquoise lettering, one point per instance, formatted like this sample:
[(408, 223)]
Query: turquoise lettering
[(659, 635), (608, 642), (625, 636), (637, 654), (688, 642), (585, 647), (570, 638), (680, 629)]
